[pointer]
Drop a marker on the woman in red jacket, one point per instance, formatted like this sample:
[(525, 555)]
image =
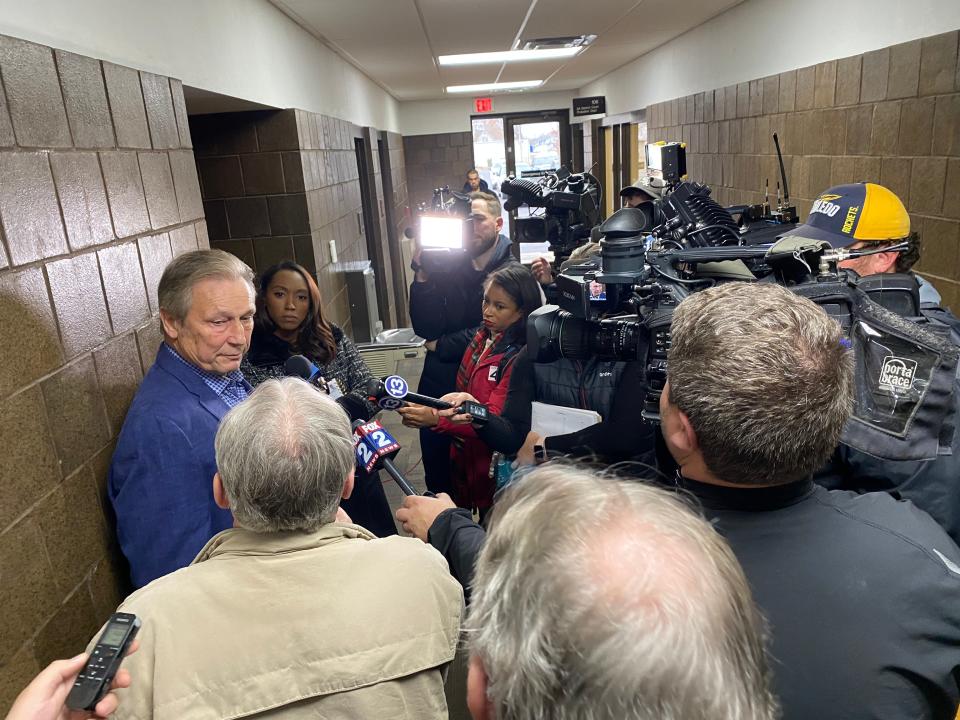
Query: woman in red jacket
[(510, 294)]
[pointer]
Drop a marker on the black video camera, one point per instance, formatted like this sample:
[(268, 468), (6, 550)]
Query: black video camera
[(621, 308), (570, 209)]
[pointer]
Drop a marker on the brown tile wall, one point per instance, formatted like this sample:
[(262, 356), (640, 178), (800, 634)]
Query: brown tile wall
[(435, 161), (98, 191), (251, 180), (332, 188), (280, 185), (891, 116)]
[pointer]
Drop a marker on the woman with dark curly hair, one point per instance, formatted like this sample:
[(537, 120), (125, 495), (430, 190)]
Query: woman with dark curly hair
[(289, 321)]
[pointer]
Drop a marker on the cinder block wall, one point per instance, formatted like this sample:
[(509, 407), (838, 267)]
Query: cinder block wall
[(435, 161), (891, 116), (279, 185), (98, 191), (332, 184), (251, 179)]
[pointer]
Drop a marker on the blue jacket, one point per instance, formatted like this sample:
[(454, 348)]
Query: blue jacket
[(161, 477)]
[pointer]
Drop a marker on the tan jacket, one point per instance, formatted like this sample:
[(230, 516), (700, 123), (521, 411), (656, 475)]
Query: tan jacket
[(333, 624)]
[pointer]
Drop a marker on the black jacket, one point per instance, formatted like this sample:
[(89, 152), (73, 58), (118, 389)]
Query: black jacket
[(932, 485), (459, 539), (862, 593), (483, 187), (613, 389), (447, 308)]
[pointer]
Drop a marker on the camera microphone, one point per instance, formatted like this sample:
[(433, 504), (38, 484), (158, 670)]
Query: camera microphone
[(512, 203)]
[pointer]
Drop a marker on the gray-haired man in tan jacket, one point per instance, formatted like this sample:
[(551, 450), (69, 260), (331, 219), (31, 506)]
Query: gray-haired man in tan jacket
[(293, 613)]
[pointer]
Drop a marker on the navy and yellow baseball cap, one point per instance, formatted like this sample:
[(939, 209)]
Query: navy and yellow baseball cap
[(858, 212)]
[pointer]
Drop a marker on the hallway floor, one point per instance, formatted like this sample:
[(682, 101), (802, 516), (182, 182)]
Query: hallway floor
[(408, 461)]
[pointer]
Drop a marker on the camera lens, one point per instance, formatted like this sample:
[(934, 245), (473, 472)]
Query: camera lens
[(553, 333)]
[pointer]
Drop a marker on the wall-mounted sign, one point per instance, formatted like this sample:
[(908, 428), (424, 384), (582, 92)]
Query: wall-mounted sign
[(596, 105), (483, 105)]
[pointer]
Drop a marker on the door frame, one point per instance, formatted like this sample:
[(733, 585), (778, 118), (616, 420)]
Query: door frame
[(371, 226)]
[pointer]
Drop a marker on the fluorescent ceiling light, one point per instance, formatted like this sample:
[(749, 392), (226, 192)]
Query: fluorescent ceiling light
[(494, 86), (507, 56)]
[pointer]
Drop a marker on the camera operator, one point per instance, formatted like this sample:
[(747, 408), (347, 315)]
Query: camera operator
[(860, 590), (543, 271), (868, 216), (645, 189), (445, 308)]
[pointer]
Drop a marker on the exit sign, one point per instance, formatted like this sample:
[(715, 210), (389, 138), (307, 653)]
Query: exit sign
[(482, 105)]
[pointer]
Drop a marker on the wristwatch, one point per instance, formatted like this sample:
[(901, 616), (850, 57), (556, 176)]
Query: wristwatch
[(415, 266), (539, 453)]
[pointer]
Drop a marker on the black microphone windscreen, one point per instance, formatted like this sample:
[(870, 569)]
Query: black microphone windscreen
[(374, 388), (355, 408), (299, 366)]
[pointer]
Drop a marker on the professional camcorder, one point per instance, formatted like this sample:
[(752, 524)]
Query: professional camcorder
[(443, 228), (570, 205), (621, 307)]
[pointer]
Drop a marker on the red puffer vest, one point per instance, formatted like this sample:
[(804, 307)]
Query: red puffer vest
[(485, 374)]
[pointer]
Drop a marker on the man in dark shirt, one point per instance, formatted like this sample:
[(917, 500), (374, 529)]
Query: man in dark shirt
[(866, 216), (445, 308), (862, 591), (475, 183)]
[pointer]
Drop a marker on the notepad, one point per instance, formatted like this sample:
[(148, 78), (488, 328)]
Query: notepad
[(550, 420), (531, 251)]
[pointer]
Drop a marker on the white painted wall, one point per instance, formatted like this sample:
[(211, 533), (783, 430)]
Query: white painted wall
[(242, 48), (428, 117), (765, 37)]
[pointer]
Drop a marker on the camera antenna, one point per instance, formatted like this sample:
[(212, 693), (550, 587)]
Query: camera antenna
[(783, 173)]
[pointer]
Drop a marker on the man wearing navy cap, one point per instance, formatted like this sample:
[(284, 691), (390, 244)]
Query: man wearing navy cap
[(869, 216)]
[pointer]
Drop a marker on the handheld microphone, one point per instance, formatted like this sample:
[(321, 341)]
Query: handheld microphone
[(299, 366), (375, 448), (354, 407), (393, 392)]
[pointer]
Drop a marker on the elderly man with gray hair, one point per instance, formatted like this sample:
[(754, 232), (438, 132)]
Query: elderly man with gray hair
[(291, 613), (862, 591), (634, 609), (160, 474)]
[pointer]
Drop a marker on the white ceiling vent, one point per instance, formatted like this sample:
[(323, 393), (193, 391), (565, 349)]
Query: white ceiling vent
[(558, 42)]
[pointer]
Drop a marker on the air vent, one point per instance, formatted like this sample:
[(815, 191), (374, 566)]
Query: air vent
[(558, 42)]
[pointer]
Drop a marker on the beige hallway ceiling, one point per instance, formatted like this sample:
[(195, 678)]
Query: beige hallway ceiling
[(395, 42)]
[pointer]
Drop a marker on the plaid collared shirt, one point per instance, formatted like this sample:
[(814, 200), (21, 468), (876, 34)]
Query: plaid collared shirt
[(230, 387)]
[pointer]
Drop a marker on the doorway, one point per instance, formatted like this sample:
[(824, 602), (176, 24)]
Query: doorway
[(369, 223), (525, 145), (393, 232)]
